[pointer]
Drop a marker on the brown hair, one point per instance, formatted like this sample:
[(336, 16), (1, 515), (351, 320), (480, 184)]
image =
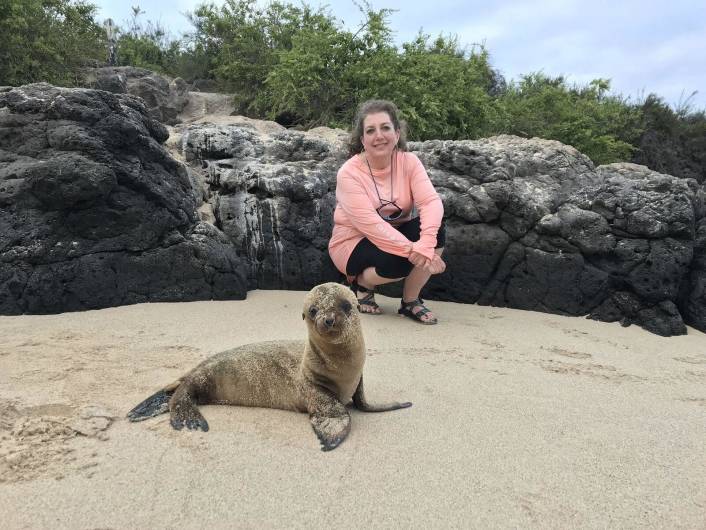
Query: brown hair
[(373, 106)]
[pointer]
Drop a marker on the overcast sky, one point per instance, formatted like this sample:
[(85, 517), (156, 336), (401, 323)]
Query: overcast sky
[(642, 47)]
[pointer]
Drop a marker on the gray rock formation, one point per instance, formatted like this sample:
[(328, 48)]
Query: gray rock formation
[(532, 224), (95, 213), (272, 192), (164, 99)]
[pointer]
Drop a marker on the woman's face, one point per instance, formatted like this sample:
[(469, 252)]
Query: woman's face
[(379, 135)]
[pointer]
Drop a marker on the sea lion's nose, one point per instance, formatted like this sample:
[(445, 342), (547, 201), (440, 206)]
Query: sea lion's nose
[(330, 320)]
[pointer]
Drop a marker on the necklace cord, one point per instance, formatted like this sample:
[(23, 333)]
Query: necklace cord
[(392, 180)]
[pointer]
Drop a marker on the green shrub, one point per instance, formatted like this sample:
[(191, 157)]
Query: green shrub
[(47, 40), (601, 126)]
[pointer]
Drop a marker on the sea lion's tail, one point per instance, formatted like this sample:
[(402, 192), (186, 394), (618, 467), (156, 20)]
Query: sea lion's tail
[(156, 404)]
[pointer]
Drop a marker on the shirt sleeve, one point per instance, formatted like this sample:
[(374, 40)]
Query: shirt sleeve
[(355, 203), (428, 202)]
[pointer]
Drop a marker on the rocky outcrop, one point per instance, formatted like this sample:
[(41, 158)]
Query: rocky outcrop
[(95, 213), (532, 224), (273, 194), (164, 98)]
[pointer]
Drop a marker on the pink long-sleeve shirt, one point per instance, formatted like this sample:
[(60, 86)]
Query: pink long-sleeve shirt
[(356, 200)]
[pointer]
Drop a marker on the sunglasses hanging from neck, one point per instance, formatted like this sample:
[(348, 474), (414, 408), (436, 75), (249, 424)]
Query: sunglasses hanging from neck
[(398, 211)]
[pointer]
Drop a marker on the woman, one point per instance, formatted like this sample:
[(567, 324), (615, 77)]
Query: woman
[(375, 239)]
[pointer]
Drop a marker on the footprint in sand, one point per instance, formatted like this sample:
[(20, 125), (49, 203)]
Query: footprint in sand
[(691, 360), (39, 376), (696, 401), (36, 441), (48, 409), (65, 336), (599, 371), (570, 353)]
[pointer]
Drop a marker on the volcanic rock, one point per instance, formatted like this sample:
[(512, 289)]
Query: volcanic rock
[(94, 211)]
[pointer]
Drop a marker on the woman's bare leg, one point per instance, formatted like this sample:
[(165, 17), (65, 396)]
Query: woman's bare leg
[(413, 284), (370, 279)]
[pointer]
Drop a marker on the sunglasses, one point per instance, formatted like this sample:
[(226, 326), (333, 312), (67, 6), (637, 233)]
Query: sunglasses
[(394, 215)]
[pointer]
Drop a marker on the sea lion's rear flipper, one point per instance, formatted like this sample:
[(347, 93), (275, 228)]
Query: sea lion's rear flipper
[(329, 418), (156, 404), (185, 414), (360, 402)]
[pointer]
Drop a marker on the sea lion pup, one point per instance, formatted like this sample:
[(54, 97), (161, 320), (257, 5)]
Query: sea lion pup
[(319, 375)]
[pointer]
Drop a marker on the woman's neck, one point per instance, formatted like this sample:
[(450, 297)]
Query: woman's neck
[(377, 163)]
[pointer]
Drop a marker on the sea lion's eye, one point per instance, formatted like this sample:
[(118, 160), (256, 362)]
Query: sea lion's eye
[(312, 312), (346, 306)]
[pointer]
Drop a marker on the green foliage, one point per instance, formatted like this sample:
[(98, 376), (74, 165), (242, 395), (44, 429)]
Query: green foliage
[(140, 51), (148, 46), (600, 126), (233, 38), (47, 40), (244, 43), (674, 140), (442, 91), (301, 66), (316, 80)]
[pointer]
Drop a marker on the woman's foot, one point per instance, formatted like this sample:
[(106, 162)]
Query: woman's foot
[(417, 311), (366, 299)]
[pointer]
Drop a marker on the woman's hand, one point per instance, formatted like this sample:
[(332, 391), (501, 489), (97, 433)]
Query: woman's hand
[(435, 265), (417, 259)]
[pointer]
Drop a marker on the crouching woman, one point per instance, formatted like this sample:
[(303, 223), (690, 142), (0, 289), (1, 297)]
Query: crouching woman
[(376, 239)]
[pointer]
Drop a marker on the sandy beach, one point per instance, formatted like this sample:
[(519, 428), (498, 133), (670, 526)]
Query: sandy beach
[(520, 420)]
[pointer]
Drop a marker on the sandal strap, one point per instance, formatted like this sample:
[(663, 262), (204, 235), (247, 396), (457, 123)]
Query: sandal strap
[(413, 303), (368, 299), (423, 311), (362, 289), (406, 309), (416, 303)]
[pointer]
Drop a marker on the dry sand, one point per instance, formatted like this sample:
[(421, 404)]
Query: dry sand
[(520, 420)]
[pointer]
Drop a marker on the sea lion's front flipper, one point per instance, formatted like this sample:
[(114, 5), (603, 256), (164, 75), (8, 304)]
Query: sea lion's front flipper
[(361, 404), (329, 418)]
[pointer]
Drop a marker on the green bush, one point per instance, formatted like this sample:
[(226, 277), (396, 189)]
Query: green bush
[(47, 40), (149, 46), (673, 141), (442, 91), (321, 76), (241, 41), (301, 66), (600, 126)]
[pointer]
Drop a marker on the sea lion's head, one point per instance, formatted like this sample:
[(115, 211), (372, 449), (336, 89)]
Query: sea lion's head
[(330, 311)]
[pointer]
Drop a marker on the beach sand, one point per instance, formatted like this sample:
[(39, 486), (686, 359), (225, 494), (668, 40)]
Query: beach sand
[(520, 419)]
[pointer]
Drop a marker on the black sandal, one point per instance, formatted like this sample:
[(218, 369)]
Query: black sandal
[(406, 310), (368, 300)]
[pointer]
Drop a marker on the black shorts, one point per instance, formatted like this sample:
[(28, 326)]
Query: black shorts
[(366, 254)]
